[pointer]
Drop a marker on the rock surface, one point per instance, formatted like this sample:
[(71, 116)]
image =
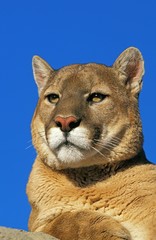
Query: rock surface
[(14, 234)]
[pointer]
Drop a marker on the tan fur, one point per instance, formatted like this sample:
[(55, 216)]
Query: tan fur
[(98, 184)]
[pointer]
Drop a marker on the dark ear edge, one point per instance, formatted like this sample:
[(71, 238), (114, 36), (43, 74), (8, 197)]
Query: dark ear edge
[(41, 71), (130, 66)]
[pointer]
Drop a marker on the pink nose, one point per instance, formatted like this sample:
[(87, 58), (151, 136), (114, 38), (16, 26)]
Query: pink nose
[(68, 123)]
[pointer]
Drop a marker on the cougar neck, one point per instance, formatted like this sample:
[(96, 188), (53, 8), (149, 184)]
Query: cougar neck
[(86, 176)]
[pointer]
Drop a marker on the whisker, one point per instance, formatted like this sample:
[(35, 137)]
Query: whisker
[(113, 144), (29, 147), (117, 137), (115, 141), (104, 147), (98, 151), (99, 144), (113, 138), (42, 132)]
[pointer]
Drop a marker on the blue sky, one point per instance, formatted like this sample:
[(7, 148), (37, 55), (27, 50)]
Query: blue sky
[(62, 32)]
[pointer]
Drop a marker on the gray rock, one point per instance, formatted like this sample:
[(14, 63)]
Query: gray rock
[(14, 234)]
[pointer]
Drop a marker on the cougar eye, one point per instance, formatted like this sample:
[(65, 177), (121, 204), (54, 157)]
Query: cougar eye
[(96, 97), (53, 98)]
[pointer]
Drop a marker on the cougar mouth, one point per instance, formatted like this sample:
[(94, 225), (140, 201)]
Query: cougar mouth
[(78, 138), (71, 146), (67, 144)]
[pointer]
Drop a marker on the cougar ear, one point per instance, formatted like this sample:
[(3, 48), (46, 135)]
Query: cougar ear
[(41, 71), (130, 65)]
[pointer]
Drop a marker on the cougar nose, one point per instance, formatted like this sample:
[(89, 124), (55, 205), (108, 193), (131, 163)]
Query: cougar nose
[(68, 123)]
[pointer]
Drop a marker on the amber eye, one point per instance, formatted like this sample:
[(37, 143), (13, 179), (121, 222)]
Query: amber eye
[(53, 98), (96, 97)]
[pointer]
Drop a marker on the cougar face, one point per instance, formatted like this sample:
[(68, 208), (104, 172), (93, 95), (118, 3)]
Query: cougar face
[(86, 114)]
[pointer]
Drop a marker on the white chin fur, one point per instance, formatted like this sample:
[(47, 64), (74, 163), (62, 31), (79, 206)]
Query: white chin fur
[(69, 154), (73, 152)]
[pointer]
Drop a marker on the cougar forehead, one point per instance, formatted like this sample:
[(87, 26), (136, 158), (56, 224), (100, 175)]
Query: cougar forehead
[(84, 77)]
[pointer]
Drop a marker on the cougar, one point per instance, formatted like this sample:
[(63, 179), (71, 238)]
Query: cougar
[(91, 179)]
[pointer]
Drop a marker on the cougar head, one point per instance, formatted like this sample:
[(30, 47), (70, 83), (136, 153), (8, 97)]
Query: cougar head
[(87, 114)]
